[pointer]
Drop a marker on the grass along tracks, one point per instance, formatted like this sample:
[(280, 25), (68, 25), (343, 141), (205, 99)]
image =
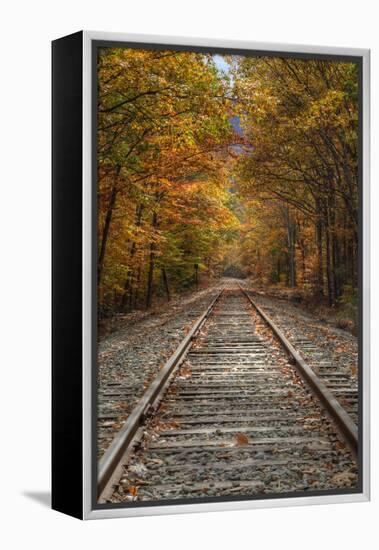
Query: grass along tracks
[(235, 419)]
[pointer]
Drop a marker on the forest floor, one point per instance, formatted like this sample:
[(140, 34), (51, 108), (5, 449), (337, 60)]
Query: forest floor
[(142, 342), (342, 316)]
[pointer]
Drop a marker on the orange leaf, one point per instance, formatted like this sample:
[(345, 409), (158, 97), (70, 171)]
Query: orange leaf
[(133, 490), (242, 439)]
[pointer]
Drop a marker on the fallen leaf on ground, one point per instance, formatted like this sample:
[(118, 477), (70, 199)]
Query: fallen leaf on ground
[(344, 478), (242, 439), (133, 490)]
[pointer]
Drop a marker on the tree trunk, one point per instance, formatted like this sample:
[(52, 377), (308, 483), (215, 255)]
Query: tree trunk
[(336, 266), (334, 242), (165, 283), (134, 294), (129, 279), (107, 223), (149, 290), (301, 244), (320, 267), (291, 239), (329, 274), (344, 268)]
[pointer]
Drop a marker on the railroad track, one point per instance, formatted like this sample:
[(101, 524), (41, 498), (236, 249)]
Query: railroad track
[(235, 411), (335, 376)]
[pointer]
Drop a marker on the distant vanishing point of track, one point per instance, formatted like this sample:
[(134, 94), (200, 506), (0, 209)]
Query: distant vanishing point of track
[(235, 411)]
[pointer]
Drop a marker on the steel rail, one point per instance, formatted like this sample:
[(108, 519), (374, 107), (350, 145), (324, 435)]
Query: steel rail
[(148, 401), (346, 425)]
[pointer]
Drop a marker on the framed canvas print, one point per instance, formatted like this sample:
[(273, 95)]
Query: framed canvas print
[(210, 275)]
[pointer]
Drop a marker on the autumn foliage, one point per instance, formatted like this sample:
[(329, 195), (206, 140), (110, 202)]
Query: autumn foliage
[(184, 189), (300, 179)]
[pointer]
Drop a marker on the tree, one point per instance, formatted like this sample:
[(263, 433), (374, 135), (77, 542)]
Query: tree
[(300, 118)]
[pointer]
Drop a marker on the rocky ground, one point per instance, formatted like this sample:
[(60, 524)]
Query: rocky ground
[(134, 354), (338, 345), (236, 423), (130, 357)]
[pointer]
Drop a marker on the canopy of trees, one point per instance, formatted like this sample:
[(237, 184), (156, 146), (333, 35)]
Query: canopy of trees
[(251, 171), (300, 178)]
